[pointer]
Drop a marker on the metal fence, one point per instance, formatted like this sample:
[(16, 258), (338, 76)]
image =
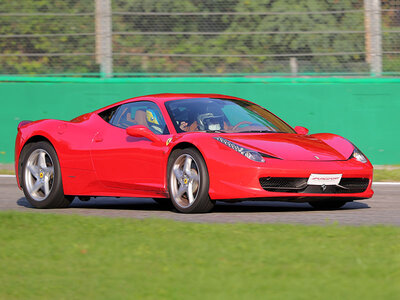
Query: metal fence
[(200, 37)]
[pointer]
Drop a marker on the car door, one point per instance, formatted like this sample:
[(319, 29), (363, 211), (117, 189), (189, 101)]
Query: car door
[(125, 162)]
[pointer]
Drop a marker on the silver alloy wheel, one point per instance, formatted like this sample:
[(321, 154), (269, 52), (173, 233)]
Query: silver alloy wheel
[(185, 180), (39, 174)]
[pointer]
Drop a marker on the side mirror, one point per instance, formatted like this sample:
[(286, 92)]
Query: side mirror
[(301, 130), (142, 131)]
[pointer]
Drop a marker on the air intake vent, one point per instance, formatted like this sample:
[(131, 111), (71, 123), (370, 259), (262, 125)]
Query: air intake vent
[(299, 185)]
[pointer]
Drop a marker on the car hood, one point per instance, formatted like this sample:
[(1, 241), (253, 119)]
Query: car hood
[(294, 146)]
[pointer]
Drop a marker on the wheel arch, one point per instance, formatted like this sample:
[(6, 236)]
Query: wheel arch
[(32, 140), (181, 145), (184, 145)]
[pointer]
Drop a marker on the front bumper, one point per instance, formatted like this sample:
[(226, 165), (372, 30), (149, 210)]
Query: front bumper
[(241, 180)]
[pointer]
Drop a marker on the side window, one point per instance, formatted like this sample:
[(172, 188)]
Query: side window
[(144, 113), (108, 114)]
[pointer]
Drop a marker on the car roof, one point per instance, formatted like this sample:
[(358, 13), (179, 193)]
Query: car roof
[(161, 98)]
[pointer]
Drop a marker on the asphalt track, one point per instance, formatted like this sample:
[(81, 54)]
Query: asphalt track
[(383, 208)]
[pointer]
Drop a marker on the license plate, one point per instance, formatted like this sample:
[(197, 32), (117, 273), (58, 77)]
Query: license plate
[(324, 179)]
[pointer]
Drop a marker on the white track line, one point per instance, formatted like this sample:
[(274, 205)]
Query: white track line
[(374, 183)]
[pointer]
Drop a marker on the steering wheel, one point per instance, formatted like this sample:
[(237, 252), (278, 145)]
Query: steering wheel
[(201, 118), (241, 123)]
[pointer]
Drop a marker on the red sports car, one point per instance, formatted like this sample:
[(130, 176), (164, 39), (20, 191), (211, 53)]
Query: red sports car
[(189, 149)]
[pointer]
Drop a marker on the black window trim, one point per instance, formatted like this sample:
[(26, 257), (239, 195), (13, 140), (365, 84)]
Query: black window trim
[(119, 107)]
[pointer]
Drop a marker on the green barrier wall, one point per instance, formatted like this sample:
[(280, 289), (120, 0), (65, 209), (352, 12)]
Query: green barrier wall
[(366, 111)]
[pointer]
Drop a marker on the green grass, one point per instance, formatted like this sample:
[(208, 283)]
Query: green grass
[(7, 172), (46, 256), (387, 174)]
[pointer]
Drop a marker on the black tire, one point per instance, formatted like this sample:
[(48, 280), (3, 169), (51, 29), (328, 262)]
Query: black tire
[(54, 198), (201, 201), (327, 204)]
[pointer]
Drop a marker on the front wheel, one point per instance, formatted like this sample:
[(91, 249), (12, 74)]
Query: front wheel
[(188, 182), (41, 177)]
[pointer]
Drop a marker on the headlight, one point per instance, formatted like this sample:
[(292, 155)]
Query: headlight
[(250, 154), (357, 154)]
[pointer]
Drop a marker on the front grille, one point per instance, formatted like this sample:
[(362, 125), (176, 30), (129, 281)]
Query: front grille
[(355, 185), (283, 184), (299, 185)]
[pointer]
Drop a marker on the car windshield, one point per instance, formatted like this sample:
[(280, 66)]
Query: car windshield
[(223, 115)]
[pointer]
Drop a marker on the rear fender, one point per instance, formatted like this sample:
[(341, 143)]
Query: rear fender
[(29, 133)]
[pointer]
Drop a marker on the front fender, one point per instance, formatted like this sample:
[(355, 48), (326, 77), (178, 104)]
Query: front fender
[(340, 144)]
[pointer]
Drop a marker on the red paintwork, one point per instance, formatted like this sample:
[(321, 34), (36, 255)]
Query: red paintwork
[(98, 159), (301, 130)]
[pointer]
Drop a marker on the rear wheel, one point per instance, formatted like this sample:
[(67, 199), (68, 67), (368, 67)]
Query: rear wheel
[(188, 182), (41, 177), (327, 204)]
